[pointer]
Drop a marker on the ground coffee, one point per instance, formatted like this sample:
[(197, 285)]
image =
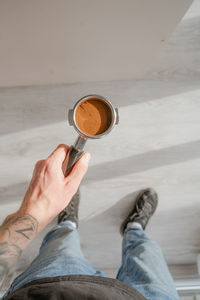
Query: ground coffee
[(93, 116)]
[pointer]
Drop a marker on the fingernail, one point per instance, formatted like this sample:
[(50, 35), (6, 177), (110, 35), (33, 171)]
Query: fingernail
[(86, 157)]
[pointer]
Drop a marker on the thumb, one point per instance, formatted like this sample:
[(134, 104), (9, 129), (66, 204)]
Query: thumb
[(79, 170)]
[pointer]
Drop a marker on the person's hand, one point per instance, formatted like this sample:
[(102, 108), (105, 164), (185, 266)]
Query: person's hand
[(48, 194), (50, 191)]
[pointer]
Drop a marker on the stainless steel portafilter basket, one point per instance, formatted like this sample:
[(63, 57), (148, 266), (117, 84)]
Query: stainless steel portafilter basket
[(76, 150)]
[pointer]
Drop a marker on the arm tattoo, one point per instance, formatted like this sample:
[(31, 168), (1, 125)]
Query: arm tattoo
[(8, 257), (17, 232), (28, 224), (25, 226)]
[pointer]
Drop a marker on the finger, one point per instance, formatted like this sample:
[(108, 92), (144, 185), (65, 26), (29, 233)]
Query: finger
[(58, 156), (59, 151), (38, 167), (78, 171)]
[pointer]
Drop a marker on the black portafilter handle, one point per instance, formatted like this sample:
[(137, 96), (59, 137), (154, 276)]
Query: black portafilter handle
[(75, 152)]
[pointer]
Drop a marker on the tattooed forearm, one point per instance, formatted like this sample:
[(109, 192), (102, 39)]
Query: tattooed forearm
[(26, 226), (16, 233), (8, 257)]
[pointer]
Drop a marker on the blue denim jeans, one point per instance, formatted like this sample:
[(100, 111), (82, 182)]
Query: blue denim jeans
[(143, 265)]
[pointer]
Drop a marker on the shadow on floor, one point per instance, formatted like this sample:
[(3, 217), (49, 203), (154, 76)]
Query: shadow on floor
[(121, 167), (144, 161)]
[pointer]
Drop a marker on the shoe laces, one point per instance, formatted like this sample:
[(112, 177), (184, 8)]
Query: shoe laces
[(141, 209)]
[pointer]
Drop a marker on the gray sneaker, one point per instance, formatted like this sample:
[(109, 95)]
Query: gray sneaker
[(70, 213), (144, 207)]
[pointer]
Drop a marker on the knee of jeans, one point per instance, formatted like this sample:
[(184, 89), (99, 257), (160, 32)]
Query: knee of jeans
[(56, 229), (142, 246), (151, 245)]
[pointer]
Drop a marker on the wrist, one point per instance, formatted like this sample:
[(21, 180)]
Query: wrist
[(38, 216)]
